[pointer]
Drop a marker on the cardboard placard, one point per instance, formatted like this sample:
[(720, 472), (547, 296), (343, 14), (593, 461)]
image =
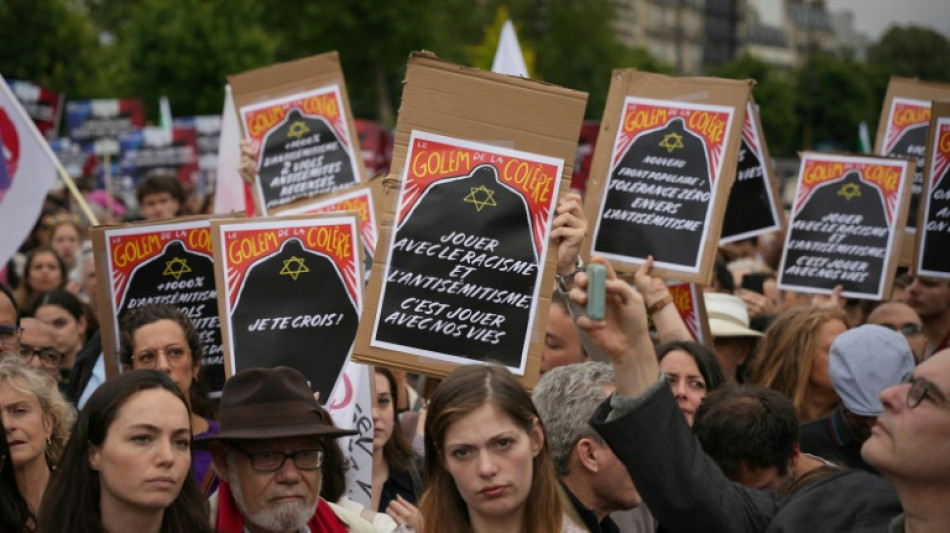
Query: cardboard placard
[(846, 224), (291, 292), (481, 166), (297, 117), (933, 247), (688, 299), (902, 132), (168, 262), (360, 201), (660, 188), (754, 207)]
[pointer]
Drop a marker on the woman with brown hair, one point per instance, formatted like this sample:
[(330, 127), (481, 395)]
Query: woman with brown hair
[(487, 463), (44, 271), (793, 359)]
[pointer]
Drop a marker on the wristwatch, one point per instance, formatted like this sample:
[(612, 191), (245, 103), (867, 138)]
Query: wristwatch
[(564, 280)]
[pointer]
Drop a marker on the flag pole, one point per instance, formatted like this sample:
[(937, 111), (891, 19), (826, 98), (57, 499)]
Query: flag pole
[(74, 191)]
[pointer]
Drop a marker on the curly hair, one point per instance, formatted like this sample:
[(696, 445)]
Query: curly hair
[(26, 380)]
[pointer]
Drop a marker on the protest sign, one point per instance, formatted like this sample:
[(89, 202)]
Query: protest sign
[(159, 263), (291, 293), (297, 118), (846, 224), (27, 170), (152, 149), (902, 132), (933, 259), (464, 261), (351, 407), (360, 201), (754, 206), (96, 124), (688, 299), (660, 188), (41, 104)]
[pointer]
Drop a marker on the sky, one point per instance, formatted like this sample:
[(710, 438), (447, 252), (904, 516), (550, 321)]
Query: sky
[(873, 17)]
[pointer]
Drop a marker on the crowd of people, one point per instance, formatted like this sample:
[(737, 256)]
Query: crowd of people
[(801, 413)]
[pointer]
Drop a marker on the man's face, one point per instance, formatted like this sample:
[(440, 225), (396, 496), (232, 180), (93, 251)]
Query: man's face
[(930, 298), (614, 484), (912, 445), (159, 205), (39, 336), (283, 500), (901, 318), (562, 343)]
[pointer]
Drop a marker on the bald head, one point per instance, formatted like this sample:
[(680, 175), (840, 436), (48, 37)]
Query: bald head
[(903, 319)]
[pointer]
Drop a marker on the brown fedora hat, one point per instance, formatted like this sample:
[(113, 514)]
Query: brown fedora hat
[(269, 403)]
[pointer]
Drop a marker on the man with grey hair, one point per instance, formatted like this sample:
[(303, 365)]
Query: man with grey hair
[(594, 481), (268, 456)]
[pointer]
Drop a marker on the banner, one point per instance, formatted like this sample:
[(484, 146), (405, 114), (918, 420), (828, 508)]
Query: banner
[(351, 407), (41, 104), (96, 124), (29, 170)]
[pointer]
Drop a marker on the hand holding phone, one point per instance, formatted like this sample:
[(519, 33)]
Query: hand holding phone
[(596, 290)]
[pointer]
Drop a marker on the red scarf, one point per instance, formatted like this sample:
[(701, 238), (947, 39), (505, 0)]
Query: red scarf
[(230, 520)]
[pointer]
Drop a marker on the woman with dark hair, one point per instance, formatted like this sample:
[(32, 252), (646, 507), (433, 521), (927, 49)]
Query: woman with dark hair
[(65, 313), (396, 477), (36, 422), (14, 512), (127, 466), (161, 337), (692, 371), (487, 466), (44, 271)]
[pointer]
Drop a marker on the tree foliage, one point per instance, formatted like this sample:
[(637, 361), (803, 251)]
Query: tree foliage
[(913, 52)]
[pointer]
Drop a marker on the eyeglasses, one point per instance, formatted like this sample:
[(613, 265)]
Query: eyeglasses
[(919, 389), (269, 461), (49, 357), (173, 353), (907, 329), (10, 335)]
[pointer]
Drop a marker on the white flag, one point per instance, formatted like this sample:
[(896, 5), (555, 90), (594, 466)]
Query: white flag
[(30, 172), (351, 406), (229, 187), (508, 58)]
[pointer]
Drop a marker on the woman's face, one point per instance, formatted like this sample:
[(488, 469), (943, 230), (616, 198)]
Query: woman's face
[(44, 274), (66, 242), (162, 346), (491, 459), (820, 377), (384, 413), (685, 380), (146, 455), (24, 422), (67, 331)]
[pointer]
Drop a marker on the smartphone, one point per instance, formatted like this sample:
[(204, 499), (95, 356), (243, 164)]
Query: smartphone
[(754, 281), (596, 290)]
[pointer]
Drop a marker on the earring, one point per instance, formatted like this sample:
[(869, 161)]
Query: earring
[(49, 442)]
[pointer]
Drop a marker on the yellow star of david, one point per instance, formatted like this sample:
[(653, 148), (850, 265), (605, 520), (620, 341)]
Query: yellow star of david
[(849, 191), (473, 198), (301, 267), (672, 141), (298, 129), (182, 268)]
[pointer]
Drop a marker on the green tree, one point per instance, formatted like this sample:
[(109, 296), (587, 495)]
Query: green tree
[(775, 95), (834, 96), (185, 50), (912, 52), (50, 42)]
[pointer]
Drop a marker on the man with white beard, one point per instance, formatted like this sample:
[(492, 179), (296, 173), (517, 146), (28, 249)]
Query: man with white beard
[(268, 456)]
